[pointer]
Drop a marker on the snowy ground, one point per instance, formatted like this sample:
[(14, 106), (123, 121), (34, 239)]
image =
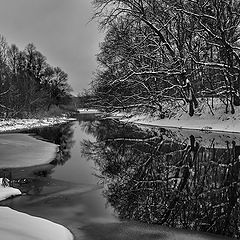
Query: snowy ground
[(6, 191), (17, 225), (13, 125), (205, 118), (14, 224)]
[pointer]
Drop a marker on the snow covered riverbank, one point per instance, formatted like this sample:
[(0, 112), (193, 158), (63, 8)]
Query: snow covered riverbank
[(14, 125), (6, 191), (230, 124), (17, 151), (205, 118), (17, 225)]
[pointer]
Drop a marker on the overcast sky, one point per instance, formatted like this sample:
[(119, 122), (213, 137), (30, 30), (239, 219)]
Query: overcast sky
[(60, 31)]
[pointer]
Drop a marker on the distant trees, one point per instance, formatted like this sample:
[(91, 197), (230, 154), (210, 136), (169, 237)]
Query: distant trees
[(28, 83), (56, 86), (163, 50)]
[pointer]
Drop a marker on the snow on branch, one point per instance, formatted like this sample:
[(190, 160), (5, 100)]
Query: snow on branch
[(163, 72), (216, 65), (202, 15)]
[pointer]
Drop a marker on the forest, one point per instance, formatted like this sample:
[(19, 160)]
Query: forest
[(29, 84), (159, 51)]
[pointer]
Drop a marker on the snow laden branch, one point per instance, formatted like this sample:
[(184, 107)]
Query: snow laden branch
[(147, 73), (216, 65), (155, 51)]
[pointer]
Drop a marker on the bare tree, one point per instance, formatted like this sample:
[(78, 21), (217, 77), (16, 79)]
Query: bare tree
[(182, 47)]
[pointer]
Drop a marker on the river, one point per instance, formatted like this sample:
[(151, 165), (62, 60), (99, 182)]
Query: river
[(112, 180)]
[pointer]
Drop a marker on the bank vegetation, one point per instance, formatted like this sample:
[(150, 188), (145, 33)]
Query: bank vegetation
[(158, 51)]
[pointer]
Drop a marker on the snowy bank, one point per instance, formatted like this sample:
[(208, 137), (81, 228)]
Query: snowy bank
[(22, 150), (17, 225), (11, 125), (6, 191), (205, 118)]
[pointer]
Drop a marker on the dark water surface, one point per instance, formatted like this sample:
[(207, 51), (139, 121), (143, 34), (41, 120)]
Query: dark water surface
[(111, 180)]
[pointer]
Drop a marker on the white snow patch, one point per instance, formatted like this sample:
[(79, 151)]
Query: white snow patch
[(21, 226), (204, 119), (7, 125), (22, 150), (6, 191), (88, 111)]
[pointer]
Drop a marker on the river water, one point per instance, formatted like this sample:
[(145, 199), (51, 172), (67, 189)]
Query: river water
[(112, 180)]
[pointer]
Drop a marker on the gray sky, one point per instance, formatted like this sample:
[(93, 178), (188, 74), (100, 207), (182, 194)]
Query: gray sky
[(60, 31)]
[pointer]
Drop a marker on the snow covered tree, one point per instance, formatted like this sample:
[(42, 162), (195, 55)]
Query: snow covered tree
[(153, 46)]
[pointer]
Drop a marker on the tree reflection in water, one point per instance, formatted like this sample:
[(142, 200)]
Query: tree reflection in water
[(152, 177), (61, 135), (31, 180)]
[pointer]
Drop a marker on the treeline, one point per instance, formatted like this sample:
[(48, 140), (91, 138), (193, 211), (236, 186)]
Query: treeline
[(167, 50), (28, 84)]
